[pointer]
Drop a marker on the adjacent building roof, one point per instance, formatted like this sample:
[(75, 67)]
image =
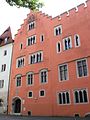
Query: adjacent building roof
[(6, 37)]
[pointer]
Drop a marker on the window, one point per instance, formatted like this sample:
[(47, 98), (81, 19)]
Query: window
[(30, 78), (1, 83), (1, 102), (58, 30), (36, 57), (67, 43), (77, 40), (30, 94), (43, 76), (82, 68), (31, 40), (41, 38), (42, 93), (64, 97), (3, 68), (81, 96), (63, 72), (31, 25), (58, 47), (18, 80), (5, 52), (21, 46), (20, 62), (5, 40)]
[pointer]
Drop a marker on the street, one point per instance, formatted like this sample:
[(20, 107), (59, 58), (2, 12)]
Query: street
[(5, 117)]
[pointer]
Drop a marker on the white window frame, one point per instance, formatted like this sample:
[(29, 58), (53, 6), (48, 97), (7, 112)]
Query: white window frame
[(28, 94), (44, 93), (5, 40), (19, 75), (20, 46), (78, 40), (80, 89), (36, 57), (56, 27), (59, 72), (41, 38), (65, 97), (57, 47), (2, 84), (40, 76), (17, 62), (77, 68), (30, 38), (30, 24), (27, 78), (70, 42)]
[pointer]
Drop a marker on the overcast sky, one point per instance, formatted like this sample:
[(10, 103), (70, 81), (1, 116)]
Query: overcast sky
[(12, 16)]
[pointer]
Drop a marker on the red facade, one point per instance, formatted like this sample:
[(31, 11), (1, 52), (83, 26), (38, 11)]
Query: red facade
[(53, 55)]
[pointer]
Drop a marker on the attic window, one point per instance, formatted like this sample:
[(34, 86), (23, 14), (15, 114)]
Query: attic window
[(5, 40), (31, 25)]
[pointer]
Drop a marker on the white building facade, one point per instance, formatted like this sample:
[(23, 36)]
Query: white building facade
[(6, 46)]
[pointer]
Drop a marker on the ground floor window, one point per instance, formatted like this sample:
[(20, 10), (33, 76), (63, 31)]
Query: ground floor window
[(64, 97), (81, 96)]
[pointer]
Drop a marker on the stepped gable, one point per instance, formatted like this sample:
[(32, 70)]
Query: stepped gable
[(6, 37), (31, 17)]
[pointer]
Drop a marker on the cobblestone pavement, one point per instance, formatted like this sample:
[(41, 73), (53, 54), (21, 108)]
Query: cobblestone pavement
[(4, 117)]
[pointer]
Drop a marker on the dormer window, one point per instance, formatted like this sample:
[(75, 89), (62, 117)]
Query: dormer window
[(31, 25), (5, 40)]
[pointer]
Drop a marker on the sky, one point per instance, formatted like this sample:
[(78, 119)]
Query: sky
[(14, 17)]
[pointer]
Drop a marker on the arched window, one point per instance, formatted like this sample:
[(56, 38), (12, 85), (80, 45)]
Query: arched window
[(60, 98), (58, 47), (76, 97), (18, 80), (81, 96), (67, 97), (64, 97), (85, 96), (77, 40), (64, 100)]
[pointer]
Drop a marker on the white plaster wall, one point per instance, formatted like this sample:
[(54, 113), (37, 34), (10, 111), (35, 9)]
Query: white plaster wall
[(5, 74)]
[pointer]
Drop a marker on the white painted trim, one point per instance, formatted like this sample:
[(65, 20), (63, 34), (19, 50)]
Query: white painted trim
[(42, 70), (29, 38), (44, 93), (28, 94), (59, 73), (19, 59), (57, 47), (19, 75), (27, 78), (64, 91), (78, 40), (56, 27), (41, 37), (20, 46), (77, 68), (21, 105), (66, 38), (30, 24), (80, 89), (36, 57)]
